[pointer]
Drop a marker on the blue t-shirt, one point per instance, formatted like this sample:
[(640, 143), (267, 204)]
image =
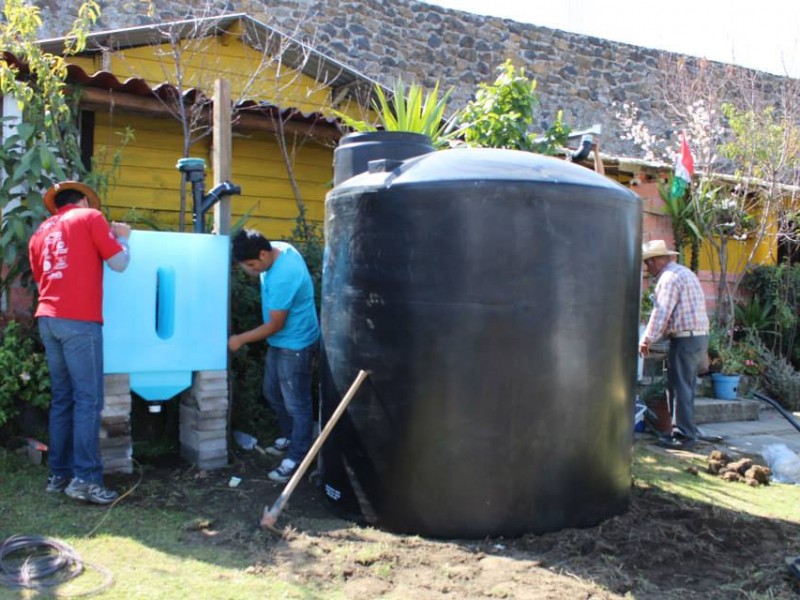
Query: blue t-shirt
[(287, 285)]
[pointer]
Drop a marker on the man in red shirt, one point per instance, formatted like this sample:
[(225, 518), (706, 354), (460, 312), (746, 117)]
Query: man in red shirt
[(66, 254)]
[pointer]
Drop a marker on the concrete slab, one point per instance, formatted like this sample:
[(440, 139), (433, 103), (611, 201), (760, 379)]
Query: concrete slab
[(754, 444), (751, 436)]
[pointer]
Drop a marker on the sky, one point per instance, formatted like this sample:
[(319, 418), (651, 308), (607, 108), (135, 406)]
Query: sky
[(763, 34)]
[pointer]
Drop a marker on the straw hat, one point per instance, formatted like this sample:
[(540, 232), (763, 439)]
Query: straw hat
[(89, 193), (655, 248)]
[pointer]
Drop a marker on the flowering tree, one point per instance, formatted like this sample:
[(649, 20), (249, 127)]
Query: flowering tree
[(747, 152)]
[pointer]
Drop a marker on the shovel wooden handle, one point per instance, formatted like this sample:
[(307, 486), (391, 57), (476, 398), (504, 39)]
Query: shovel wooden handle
[(270, 515)]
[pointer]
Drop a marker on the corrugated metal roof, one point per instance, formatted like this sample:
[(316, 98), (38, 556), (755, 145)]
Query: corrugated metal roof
[(293, 53)]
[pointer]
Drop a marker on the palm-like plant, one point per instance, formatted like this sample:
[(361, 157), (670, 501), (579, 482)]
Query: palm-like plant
[(408, 108)]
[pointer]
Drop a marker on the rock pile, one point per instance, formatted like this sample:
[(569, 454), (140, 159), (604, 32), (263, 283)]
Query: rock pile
[(744, 469)]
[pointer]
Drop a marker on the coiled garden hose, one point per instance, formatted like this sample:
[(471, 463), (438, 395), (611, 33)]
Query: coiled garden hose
[(42, 562), (45, 557)]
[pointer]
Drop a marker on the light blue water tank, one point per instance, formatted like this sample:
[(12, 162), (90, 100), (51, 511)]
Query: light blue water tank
[(166, 314)]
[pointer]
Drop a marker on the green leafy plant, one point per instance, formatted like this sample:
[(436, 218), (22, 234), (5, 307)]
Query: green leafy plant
[(408, 108), (779, 286), (502, 114), (684, 220), (24, 377), (754, 316), (737, 358), (45, 146)]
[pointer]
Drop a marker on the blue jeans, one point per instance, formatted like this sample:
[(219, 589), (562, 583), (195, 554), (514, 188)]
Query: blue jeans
[(287, 388), (74, 352)]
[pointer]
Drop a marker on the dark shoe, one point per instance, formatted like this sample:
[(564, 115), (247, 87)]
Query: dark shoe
[(284, 471), (56, 484), (279, 447), (78, 489), (676, 443), (794, 566)]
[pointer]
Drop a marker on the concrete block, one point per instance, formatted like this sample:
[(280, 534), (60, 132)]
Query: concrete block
[(115, 456), (207, 425), (117, 400), (190, 416), (116, 410), (117, 381), (712, 410), (114, 427), (203, 439), (205, 385), (124, 466), (207, 375), (212, 403), (115, 442)]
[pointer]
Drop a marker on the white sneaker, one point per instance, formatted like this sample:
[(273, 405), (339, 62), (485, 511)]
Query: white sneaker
[(279, 447), (284, 472)]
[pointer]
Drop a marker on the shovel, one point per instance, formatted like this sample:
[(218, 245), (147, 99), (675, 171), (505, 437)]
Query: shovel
[(270, 515)]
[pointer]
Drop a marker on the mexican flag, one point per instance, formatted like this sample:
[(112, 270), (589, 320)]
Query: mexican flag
[(684, 169)]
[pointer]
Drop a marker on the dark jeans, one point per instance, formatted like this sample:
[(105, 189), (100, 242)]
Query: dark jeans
[(287, 388), (74, 351), (684, 358)]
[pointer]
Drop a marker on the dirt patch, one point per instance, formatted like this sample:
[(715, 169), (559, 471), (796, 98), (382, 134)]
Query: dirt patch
[(661, 548)]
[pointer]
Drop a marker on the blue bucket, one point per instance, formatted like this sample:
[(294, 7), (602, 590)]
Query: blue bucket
[(725, 386)]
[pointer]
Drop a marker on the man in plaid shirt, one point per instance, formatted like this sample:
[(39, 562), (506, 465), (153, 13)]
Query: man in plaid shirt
[(679, 313)]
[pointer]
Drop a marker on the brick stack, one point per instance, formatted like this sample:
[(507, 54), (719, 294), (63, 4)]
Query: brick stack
[(204, 420), (115, 427)]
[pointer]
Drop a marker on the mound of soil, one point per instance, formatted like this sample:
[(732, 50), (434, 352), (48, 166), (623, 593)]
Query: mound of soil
[(661, 548)]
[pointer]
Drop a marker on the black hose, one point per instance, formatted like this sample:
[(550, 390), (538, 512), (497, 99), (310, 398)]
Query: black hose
[(44, 558), (43, 562), (786, 414)]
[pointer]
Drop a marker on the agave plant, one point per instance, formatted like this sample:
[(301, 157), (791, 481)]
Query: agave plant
[(408, 108)]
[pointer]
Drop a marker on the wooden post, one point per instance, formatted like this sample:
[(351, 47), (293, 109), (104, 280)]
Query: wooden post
[(221, 152)]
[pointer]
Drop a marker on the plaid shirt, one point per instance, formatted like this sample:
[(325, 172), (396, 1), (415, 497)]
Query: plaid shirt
[(679, 304)]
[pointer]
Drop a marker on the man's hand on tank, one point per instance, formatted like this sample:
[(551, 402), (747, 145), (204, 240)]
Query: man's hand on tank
[(121, 230)]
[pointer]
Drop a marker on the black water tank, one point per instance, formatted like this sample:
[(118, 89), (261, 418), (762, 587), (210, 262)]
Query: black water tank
[(355, 150), (493, 297)]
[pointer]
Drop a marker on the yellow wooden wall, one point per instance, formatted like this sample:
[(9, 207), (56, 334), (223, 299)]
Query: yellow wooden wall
[(205, 59), (148, 182)]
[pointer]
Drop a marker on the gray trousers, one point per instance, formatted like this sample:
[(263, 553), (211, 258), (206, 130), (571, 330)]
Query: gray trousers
[(684, 358)]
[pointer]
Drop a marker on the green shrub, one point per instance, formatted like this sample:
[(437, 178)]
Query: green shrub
[(24, 377), (502, 114), (249, 410), (778, 291), (780, 379)]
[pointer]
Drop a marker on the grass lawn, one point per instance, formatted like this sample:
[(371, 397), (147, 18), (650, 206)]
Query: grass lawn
[(158, 545), (146, 550)]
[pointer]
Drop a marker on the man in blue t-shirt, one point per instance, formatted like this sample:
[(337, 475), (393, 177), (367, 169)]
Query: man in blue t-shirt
[(292, 331)]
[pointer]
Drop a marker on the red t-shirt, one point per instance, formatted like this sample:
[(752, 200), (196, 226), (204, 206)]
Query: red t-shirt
[(67, 254)]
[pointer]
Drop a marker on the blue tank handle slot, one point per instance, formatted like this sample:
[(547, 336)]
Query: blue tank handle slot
[(165, 302)]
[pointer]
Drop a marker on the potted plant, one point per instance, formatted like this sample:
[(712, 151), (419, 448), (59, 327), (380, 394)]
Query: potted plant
[(730, 362)]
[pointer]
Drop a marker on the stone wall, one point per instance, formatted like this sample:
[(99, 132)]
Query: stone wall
[(385, 39)]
